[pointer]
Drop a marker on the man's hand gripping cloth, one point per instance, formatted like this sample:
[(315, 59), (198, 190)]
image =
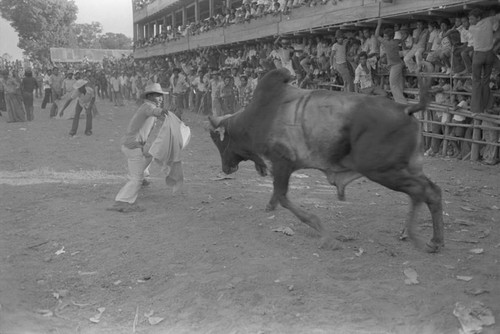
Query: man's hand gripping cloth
[(166, 149)]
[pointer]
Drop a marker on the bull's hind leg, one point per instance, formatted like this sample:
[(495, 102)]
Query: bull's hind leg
[(421, 190)]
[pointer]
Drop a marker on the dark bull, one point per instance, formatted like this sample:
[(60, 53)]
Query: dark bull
[(344, 135)]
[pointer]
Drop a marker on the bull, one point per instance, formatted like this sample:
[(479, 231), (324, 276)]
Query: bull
[(344, 135)]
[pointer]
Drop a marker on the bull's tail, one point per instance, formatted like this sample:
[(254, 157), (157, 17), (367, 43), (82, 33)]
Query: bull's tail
[(424, 85)]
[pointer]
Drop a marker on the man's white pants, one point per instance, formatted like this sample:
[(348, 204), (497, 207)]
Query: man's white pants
[(137, 163)]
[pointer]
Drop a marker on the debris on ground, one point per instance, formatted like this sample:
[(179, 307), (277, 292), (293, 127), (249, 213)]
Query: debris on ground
[(60, 251), (464, 278), (473, 317), (285, 230), (153, 320), (96, 318), (475, 291), (359, 252), (411, 276)]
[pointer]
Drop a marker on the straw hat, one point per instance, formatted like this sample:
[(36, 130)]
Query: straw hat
[(153, 88), (80, 83)]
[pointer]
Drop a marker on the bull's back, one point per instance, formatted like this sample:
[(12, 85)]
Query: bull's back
[(321, 128)]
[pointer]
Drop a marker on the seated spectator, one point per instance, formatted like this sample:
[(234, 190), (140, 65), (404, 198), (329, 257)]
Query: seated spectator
[(406, 42), (467, 49), (363, 82), (420, 37), (440, 58)]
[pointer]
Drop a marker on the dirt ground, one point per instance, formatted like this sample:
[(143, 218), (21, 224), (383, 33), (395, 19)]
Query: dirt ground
[(208, 261)]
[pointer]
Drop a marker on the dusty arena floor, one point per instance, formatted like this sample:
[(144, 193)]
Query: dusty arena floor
[(208, 260)]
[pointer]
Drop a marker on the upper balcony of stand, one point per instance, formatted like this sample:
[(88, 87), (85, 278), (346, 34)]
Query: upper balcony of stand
[(345, 14)]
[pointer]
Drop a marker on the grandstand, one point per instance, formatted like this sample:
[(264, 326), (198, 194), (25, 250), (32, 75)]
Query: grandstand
[(177, 20)]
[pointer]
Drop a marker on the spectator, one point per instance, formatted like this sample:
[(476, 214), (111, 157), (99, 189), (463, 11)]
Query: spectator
[(47, 98), (117, 91), (441, 97), (13, 98), (215, 83), (394, 62), (28, 85), (338, 61), (420, 36), (459, 131), (467, 48), (481, 28), (56, 80), (245, 91), (363, 78), (86, 99), (440, 58), (227, 95)]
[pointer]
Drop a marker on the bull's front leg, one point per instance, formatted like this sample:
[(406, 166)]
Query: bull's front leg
[(282, 174)]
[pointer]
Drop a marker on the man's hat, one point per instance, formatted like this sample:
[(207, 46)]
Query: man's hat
[(80, 83), (176, 69), (153, 88)]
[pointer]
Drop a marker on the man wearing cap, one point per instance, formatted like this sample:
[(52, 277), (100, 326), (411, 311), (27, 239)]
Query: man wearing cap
[(133, 143), (85, 100)]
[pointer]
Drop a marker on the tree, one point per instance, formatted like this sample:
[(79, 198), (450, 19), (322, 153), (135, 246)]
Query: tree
[(115, 41), (41, 24), (87, 35)]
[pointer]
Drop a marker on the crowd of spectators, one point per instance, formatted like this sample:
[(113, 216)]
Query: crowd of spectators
[(250, 10), (139, 4), (363, 60), (382, 60)]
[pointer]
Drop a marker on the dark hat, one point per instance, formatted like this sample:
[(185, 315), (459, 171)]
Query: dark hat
[(176, 69)]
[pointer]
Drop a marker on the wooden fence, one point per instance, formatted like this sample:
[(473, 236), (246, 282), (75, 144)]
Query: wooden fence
[(476, 122)]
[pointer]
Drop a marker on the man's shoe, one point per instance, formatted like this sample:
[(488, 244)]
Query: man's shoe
[(88, 133)]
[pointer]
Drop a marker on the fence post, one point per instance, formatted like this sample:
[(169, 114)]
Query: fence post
[(476, 135)]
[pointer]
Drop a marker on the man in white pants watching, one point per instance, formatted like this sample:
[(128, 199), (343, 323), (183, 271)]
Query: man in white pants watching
[(133, 142)]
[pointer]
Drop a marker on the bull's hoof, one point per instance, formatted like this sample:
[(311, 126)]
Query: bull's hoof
[(433, 247), (329, 243), (270, 207)]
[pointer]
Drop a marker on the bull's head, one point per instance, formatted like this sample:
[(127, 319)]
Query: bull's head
[(227, 148)]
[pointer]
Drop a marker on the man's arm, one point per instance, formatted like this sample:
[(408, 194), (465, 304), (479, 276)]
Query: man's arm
[(377, 30)]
